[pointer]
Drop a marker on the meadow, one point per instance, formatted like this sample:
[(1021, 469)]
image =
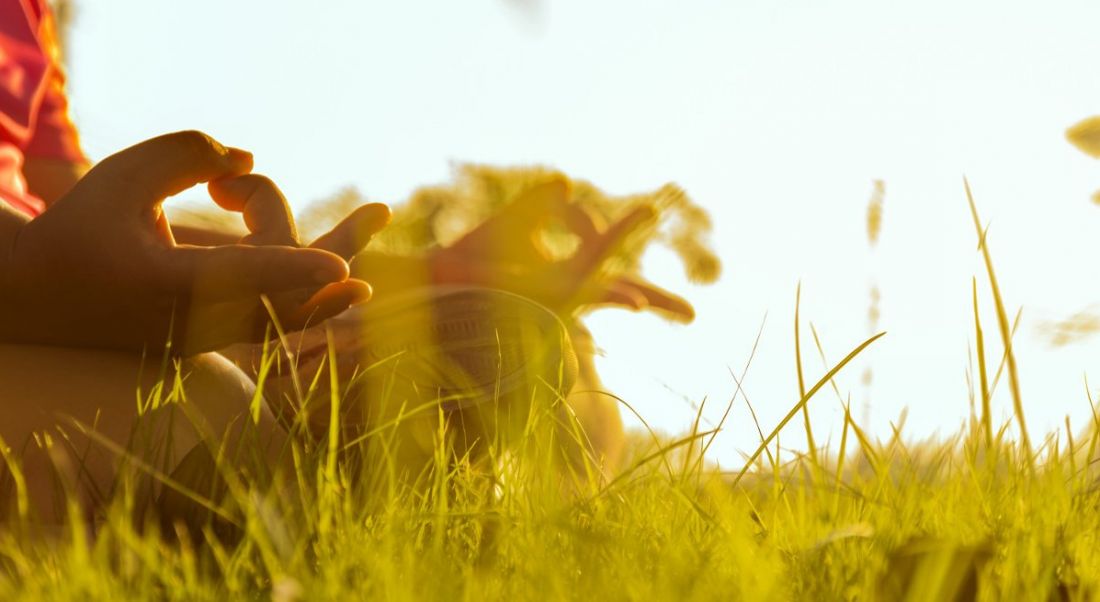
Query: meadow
[(991, 513), (942, 521)]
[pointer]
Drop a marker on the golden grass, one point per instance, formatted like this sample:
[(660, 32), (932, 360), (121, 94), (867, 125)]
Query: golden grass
[(1002, 323), (1077, 327), (874, 212), (975, 516), (1085, 135)]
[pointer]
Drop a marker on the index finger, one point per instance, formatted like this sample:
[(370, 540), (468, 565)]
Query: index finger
[(149, 172), (599, 247)]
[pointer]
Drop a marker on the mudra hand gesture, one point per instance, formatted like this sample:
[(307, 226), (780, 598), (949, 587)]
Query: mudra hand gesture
[(506, 252), (101, 267)]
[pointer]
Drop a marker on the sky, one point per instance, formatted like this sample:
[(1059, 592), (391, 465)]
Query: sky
[(775, 116)]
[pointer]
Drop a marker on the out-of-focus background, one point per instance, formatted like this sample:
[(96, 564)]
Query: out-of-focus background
[(777, 117)]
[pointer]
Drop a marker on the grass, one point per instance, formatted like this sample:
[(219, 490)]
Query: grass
[(985, 514)]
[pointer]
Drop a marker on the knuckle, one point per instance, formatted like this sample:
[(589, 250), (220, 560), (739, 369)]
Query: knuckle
[(195, 144), (260, 191), (110, 164), (262, 182)]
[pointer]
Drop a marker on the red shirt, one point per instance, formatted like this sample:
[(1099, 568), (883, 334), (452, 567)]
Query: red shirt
[(34, 117)]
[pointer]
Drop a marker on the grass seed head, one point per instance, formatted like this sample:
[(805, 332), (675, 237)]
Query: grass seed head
[(1085, 135)]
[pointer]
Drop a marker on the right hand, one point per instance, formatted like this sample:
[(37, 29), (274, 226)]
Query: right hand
[(100, 268), (505, 252)]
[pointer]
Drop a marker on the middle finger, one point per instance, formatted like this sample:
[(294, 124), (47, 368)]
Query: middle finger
[(266, 211)]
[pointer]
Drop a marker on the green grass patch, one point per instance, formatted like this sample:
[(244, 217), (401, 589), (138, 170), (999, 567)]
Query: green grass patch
[(980, 515)]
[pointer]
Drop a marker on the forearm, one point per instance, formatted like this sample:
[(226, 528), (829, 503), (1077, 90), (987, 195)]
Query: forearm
[(596, 412)]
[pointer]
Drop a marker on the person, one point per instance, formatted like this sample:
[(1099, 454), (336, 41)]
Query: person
[(100, 295), (514, 309), (95, 285)]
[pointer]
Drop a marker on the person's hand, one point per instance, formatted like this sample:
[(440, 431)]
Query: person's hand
[(271, 223), (505, 252), (304, 351), (100, 267)]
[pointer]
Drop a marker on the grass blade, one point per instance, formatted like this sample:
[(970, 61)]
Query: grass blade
[(1002, 322), (802, 403)]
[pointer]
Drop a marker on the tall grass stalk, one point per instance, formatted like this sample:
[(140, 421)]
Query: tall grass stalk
[(1002, 322), (977, 515)]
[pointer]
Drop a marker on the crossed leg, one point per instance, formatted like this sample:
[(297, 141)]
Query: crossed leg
[(70, 418)]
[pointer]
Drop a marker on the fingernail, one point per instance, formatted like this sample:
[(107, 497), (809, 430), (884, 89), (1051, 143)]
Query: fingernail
[(363, 295), (387, 213)]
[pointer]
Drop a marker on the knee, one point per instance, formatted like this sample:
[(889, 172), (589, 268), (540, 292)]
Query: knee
[(217, 396), (90, 397), (215, 384)]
